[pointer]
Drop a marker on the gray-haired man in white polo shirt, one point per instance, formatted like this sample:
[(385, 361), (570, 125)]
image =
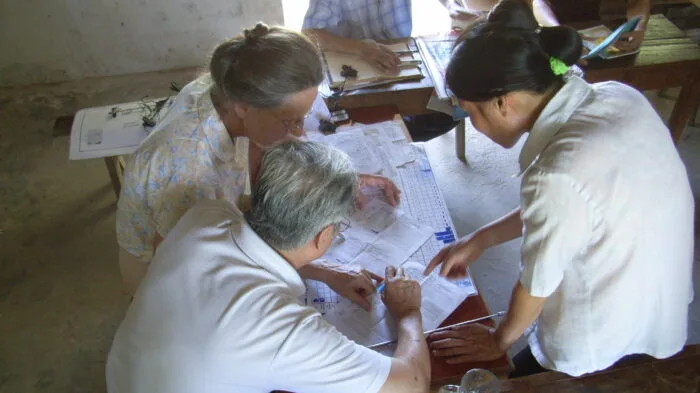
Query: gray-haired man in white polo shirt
[(218, 310)]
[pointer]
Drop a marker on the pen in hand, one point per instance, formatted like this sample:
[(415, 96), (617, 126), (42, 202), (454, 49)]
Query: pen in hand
[(380, 288)]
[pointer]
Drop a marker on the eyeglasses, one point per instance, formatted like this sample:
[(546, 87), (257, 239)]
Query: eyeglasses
[(341, 227), (293, 125)]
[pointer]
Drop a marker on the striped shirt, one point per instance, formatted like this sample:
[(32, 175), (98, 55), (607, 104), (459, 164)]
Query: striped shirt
[(361, 19)]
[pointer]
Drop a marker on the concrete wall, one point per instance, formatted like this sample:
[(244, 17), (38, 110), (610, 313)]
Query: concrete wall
[(56, 40)]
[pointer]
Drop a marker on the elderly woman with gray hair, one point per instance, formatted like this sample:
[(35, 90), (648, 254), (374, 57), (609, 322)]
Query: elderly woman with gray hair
[(259, 89), (219, 309)]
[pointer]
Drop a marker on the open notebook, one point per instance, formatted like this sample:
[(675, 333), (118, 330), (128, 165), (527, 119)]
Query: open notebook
[(367, 75)]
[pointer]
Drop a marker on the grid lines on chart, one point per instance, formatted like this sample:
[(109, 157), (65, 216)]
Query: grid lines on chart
[(320, 296), (424, 202)]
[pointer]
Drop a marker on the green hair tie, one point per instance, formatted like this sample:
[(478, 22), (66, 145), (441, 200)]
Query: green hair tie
[(558, 67)]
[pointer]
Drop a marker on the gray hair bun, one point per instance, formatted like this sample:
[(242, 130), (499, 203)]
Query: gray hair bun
[(259, 30)]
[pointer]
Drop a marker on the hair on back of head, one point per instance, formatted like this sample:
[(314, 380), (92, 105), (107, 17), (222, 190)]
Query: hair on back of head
[(259, 30), (265, 65), (508, 51), (302, 188)]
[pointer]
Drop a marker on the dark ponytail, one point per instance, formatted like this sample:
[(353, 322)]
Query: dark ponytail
[(509, 52), (562, 42)]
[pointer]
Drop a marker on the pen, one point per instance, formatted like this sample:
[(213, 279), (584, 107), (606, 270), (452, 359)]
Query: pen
[(380, 288)]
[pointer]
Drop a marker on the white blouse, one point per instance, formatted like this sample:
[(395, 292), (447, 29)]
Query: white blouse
[(607, 215)]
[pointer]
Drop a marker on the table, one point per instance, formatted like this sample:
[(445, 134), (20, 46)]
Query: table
[(667, 58), (472, 307), (410, 98), (679, 373)]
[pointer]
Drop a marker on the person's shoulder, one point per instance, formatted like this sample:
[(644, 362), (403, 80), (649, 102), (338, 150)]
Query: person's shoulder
[(214, 212), (611, 90), (207, 219), (604, 120)]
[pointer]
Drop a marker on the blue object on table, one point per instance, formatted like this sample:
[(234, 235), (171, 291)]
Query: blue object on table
[(380, 288), (609, 40)]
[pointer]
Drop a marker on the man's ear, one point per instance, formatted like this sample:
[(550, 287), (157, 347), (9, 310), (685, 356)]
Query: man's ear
[(323, 239)]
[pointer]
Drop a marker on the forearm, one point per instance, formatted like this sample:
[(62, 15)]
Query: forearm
[(506, 228), (543, 13), (331, 42), (412, 348), (639, 8), (522, 312), (317, 270)]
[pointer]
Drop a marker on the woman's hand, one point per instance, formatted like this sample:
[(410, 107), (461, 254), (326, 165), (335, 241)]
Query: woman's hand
[(469, 343), (456, 257), (391, 192)]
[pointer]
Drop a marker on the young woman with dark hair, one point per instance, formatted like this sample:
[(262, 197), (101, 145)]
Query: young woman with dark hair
[(606, 212)]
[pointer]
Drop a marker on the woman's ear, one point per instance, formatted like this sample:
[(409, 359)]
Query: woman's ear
[(503, 104), (239, 108)]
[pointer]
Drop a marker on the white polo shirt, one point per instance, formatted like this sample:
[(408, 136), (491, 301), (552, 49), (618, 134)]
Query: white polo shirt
[(608, 218), (218, 311)]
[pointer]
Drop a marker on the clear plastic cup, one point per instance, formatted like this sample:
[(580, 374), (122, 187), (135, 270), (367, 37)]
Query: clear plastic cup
[(450, 389), (480, 381)]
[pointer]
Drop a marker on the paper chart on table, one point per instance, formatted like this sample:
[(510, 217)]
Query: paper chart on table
[(422, 203), (392, 147), (377, 236), (363, 154), (374, 149)]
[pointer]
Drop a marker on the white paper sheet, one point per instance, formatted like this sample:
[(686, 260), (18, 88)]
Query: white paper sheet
[(394, 245), (391, 139), (389, 145), (378, 235), (96, 133), (364, 156)]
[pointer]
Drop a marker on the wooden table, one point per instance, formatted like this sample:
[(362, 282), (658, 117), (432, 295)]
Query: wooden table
[(471, 308), (679, 373), (667, 58), (410, 98)]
